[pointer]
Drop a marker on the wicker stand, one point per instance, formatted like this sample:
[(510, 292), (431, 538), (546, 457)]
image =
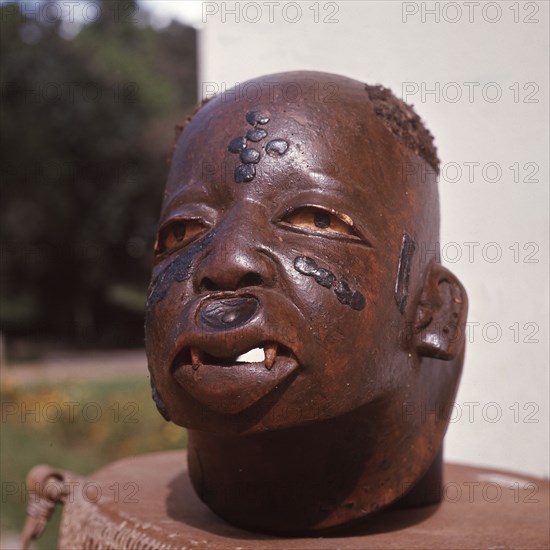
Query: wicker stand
[(147, 502)]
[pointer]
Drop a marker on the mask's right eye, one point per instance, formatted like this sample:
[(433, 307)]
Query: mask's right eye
[(178, 234)]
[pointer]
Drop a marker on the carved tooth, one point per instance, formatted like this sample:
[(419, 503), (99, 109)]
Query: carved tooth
[(270, 351), (197, 357)]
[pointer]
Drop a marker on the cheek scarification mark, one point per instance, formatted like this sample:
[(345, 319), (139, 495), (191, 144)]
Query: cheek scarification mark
[(324, 277), (348, 297), (161, 407), (250, 156), (403, 271), (308, 266), (178, 270)]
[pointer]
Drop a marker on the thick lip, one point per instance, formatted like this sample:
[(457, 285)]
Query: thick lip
[(220, 297), (262, 328), (204, 363), (228, 386)]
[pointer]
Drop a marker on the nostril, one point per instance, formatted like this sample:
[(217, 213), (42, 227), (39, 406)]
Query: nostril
[(208, 284), (250, 279)]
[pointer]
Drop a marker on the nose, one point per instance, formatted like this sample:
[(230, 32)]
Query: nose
[(236, 259)]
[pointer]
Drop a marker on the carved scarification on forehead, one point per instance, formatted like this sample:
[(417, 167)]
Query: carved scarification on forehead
[(255, 117), (249, 156), (256, 134)]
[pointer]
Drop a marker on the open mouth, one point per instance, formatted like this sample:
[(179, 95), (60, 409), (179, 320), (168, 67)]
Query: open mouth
[(266, 355), (234, 382)]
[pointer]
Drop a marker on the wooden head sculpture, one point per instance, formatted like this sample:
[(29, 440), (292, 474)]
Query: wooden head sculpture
[(301, 220)]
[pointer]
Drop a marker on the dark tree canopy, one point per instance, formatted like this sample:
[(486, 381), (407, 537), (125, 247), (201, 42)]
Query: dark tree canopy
[(86, 126)]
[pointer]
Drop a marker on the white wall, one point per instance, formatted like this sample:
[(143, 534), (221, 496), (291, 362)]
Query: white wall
[(386, 42)]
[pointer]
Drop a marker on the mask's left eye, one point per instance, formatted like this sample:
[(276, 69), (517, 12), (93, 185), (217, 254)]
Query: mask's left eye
[(319, 221), (177, 234)]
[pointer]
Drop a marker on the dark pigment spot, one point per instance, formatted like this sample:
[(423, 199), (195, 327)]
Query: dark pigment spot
[(250, 156), (348, 297), (403, 271), (324, 277), (308, 266), (236, 145), (255, 117), (305, 265), (244, 173), (256, 134), (276, 147), (178, 270)]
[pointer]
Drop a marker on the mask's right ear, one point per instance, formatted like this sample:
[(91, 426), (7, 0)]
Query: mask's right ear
[(440, 316)]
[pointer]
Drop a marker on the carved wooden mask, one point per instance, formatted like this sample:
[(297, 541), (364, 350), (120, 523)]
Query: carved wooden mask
[(299, 222)]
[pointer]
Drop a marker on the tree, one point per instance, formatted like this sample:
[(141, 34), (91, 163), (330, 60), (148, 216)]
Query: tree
[(85, 128)]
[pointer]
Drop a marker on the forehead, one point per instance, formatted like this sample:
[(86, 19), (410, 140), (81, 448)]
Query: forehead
[(334, 145)]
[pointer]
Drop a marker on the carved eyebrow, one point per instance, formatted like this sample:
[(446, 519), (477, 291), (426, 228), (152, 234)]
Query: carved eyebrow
[(315, 175), (187, 195)]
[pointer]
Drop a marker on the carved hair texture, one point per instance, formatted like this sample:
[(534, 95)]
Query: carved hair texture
[(398, 117), (404, 123), (179, 128)]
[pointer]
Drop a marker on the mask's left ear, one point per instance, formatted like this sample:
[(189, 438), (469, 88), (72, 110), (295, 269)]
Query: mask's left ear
[(440, 317)]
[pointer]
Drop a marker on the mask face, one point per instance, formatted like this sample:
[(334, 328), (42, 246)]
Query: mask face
[(297, 322), (282, 231)]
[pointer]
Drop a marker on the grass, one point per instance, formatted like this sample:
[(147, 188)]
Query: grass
[(74, 425)]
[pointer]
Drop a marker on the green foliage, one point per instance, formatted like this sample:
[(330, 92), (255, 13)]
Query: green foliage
[(77, 426), (86, 125)]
